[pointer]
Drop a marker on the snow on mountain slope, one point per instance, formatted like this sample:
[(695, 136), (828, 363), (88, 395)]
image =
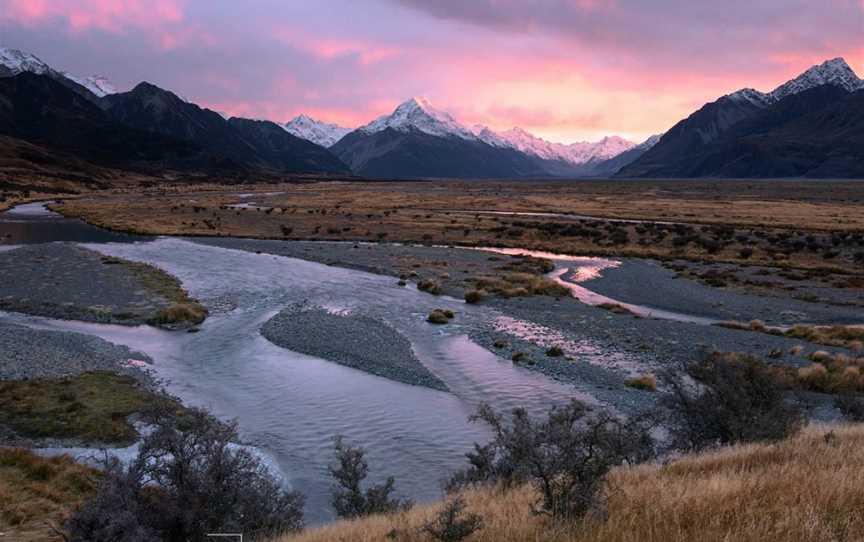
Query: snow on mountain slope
[(13, 62), (419, 114), (831, 72), (320, 133), (574, 153), (96, 84)]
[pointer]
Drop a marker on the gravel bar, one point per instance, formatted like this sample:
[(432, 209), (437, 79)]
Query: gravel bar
[(356, 341), (27, 353)]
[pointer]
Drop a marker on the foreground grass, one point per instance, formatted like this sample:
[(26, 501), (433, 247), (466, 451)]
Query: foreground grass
[(37, 492), (807, 488), (92, 407)]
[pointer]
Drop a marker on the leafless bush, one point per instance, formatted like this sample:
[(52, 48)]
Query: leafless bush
[(566, 456), (188, 479), (729, 399)]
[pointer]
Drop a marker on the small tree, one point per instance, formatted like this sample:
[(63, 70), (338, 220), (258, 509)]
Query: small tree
[(452, 524), (349, 499), (729, 398), (566, 456)]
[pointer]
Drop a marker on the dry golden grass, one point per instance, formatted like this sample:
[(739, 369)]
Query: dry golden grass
[(37, 492), (807, 489), (453, 213)]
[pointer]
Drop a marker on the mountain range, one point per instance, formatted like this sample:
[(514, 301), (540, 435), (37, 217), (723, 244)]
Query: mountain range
[(810, 126)]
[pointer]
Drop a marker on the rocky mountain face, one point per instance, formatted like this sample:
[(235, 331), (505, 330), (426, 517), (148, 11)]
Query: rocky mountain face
[(251, 144)]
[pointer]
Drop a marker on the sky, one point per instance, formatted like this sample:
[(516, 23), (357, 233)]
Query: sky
[(566, 70)]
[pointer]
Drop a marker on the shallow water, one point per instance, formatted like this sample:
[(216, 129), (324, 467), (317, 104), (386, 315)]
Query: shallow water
[(33, 223)]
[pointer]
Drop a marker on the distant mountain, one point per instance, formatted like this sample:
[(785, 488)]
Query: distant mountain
[(610, 166), (14, 62), (418, 140), (285, 151), (249, 144), (320, 133), (574, 153), (728, 137)]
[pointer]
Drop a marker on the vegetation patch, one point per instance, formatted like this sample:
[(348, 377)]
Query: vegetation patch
[(92, 407), (182, 309), (851, 337)]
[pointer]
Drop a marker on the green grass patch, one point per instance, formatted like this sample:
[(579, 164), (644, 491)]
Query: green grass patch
[(93, 407)]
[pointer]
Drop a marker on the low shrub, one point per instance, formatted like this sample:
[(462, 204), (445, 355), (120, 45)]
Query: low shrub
[(727, 399), (452, 524), (349, 498), (566, 455)]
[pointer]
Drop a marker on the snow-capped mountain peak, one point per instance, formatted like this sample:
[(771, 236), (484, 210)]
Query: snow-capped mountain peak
[(419, 114), (574, 153), (316, 131), (15, 62), (831, 72)]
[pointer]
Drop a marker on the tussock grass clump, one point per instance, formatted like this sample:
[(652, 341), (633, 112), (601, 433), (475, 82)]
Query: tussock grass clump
[(804, 488), (429, 286), (180, 313), (646, 382), (36, 490), (439, 316), (474, 296)]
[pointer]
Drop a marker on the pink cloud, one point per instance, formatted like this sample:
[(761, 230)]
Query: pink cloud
[(107, 15), (329, 48)]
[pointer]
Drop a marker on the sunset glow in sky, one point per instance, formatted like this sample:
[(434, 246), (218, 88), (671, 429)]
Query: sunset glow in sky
[(566, 70)]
